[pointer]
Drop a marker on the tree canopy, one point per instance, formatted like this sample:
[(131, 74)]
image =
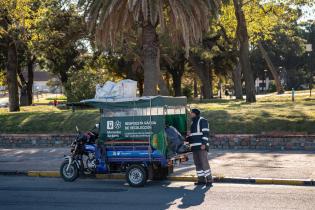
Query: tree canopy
[(170, 47)]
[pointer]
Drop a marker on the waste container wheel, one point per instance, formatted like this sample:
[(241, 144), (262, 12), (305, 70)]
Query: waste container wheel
[(136, 175)]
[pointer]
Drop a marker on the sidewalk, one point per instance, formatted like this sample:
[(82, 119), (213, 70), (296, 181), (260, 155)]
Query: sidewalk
[(249, 164), (227, 163)]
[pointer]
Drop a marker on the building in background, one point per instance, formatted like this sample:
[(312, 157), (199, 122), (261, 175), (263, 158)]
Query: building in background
[(45, 82), (263, 85)]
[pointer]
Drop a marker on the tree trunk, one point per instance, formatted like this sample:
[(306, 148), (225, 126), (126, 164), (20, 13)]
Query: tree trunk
[(272, 68), (167, 81), (242, 36), (176, 70), (203, 73), (220, 89), (30, 82), (151, 61), (237, 80), (26, 86), (12, 78), (195, 87), (23, 96), (206, 87), (63, 78), (23, 87), (208, 93), (140, 87), (177, 74), (162, 86), (177, 81)]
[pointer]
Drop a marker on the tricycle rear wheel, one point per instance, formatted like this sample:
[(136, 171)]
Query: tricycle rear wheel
[(136, 175)]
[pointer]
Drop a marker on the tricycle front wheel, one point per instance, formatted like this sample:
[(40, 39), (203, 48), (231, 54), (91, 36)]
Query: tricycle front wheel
[(69, 174), (136, 175)]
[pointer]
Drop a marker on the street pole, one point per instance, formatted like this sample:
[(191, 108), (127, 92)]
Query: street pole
[(308, 49)]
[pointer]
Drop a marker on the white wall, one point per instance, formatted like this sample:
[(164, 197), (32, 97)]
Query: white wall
[(40, 86), (258, 81)]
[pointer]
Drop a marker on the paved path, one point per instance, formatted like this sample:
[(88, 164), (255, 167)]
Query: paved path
[(51, 193), (231, 163)]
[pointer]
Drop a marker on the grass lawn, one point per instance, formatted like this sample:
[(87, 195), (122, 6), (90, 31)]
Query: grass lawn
[(49, 98), (270, 114), (46, 119)]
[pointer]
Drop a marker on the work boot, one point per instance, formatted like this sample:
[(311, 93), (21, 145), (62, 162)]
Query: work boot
[(201, 181), (209, 181)]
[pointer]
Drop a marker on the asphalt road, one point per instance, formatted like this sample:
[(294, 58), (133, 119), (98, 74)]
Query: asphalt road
[(52, 193), (228, 163)]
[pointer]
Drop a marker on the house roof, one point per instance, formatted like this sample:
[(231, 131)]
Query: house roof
[(39, 76)]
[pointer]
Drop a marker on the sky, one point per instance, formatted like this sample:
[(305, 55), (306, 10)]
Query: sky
[(308, 13)]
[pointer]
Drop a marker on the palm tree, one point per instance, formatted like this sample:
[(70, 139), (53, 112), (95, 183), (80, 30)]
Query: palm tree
[(183, 20)]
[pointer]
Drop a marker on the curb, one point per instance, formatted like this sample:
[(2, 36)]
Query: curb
[(44, 173), (234, 180), (239, 180), (274, 181)]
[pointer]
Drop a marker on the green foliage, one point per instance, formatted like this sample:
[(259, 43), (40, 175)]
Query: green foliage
[(55, 33), (286, 50), (2, 78), (188, 91), (112, 21), (20, 24), (21, 18), (64, 43), (81, 85), (261, 17), (272, 88)]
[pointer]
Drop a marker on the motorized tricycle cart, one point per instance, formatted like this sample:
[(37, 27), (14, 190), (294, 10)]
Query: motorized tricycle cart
[(133, 134)]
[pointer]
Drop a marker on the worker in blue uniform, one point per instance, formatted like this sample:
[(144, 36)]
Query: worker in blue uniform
[(198, 139)]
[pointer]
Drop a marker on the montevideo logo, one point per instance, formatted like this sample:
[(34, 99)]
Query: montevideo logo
[(117, 124)]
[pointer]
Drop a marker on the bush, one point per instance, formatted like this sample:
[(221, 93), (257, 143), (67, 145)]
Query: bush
[(81, 85), (272, 88), (59, 98), (188, 92)]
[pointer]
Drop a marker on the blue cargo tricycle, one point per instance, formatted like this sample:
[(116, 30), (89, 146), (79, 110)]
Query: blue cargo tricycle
[(130, 139)]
